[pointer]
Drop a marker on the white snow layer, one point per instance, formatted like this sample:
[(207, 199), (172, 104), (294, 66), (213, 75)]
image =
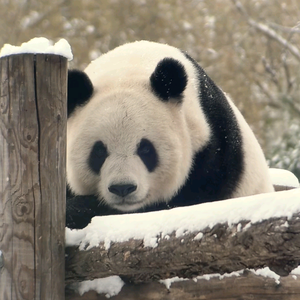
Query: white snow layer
[(265, 272), (283, 177), (168, 282), (110, 286), (296, 271), (39, 45), (154, 225)]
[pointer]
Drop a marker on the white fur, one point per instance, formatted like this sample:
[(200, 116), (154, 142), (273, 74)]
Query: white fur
[(256, 178), (123, 110)]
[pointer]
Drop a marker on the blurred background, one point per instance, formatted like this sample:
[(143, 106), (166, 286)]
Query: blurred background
[(250, 48)]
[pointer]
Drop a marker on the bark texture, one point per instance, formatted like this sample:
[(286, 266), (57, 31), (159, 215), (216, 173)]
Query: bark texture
[(222, 249)]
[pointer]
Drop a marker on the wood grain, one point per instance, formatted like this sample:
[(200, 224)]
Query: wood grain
[(32, 178)]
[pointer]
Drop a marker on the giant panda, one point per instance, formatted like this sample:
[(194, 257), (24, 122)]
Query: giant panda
[(148, 129)]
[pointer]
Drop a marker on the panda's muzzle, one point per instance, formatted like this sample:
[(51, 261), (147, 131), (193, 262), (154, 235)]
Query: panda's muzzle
[(122, 190)]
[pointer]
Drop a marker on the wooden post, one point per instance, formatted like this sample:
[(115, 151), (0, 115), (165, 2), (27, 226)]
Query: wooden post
[(32, 176)]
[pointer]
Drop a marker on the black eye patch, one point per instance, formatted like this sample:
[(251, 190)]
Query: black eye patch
[(148, 154), (97, 157)]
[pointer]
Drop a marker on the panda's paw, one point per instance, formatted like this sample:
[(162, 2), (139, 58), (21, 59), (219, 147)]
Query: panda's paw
[(80, 210)]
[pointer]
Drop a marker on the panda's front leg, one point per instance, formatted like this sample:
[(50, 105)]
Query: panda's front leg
[(81, 209)]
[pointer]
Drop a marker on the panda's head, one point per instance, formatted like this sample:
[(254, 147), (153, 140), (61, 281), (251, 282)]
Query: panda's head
[(128, 141)]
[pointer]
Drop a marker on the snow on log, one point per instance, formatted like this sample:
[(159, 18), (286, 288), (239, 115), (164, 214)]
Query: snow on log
[(219, 237), (283, 179)]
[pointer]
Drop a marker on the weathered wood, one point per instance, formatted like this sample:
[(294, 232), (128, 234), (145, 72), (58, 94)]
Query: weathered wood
[(244, 287), (32, 178), (222, 249)]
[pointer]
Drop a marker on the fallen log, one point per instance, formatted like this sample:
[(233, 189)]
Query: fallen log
[(246, 285), (221, 248)]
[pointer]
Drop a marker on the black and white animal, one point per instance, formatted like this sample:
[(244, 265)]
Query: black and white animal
[(148, 129)]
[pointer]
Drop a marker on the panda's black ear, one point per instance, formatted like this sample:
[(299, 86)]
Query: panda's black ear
[(169, 79), (80, 89)]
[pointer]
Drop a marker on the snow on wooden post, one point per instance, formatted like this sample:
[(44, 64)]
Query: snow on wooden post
[(32, 176)]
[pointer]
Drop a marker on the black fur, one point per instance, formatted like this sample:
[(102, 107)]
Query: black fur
[(81, 209), (97, 157), (146, 151), (219, 166), (169, 80), (80, 89)]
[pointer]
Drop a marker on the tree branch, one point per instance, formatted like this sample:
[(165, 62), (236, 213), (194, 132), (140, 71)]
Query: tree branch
[(290, 30), (272, 101), (267, 31)]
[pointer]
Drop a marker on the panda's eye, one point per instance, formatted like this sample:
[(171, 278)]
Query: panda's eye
[(97, 156), (144, 150), (147, 154), (100, 150)]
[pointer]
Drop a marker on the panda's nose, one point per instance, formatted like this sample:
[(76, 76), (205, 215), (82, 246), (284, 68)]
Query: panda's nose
[(122, 190)]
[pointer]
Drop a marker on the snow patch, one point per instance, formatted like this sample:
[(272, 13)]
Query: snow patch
[(183, 220), (110, 286), (150, 242), (216, 275), (168, 282), (296, 271), (199, 236), (248, 225), (39, 45), (283, 177), (266, 272)]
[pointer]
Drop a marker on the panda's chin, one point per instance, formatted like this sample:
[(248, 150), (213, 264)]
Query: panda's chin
[(127, 207), (130, 203), (126, 204)]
